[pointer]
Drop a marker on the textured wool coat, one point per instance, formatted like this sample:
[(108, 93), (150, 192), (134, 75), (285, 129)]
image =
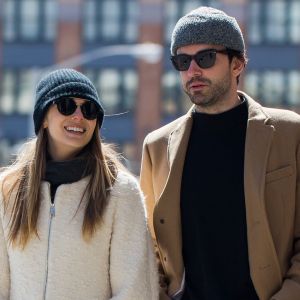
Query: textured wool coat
[(272, 199), (118, 262)]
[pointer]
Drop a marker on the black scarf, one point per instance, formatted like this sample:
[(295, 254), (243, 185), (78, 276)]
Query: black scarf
[(60, 172)]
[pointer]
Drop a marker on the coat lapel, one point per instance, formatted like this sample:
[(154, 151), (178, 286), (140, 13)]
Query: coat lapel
[(168, 206), (264, 266)]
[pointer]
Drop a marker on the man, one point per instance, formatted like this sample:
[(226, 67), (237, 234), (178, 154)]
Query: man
[(222, 182)]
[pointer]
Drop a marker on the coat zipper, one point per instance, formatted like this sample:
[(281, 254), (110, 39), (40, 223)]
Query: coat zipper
[(52, 215)]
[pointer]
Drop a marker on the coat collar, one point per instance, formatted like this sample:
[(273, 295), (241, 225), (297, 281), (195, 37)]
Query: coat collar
[(178, 141), (262, 256)]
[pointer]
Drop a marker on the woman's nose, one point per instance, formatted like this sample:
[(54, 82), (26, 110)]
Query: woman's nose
[(77, 113)]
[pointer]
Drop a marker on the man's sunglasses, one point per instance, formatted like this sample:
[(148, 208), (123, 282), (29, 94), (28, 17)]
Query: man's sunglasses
[(204, 59), (67, 106)]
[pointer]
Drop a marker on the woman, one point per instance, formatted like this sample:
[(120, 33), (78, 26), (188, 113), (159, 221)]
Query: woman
[(72, 222)]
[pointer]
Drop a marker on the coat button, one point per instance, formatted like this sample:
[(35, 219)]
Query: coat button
[(162, 221)]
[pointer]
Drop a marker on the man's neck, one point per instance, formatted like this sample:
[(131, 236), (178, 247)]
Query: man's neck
[(220, 107)]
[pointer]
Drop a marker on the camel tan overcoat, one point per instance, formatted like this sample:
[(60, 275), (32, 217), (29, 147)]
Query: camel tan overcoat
[(272, 199)]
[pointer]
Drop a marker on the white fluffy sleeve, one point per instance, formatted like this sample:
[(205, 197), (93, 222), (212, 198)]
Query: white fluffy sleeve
[(133, 271)]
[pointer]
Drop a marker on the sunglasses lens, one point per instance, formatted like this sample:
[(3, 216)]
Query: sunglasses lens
[(181, 62), (89, 110), (205, 59), (66, 106)]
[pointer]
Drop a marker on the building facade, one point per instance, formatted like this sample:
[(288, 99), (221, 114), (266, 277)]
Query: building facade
[(138, 96)]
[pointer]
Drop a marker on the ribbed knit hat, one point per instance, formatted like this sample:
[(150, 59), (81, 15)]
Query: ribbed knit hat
[(61, 83), (207, 25)]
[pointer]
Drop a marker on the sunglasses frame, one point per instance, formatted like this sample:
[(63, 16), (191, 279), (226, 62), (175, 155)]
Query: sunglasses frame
[(197, 58), (82, 108)]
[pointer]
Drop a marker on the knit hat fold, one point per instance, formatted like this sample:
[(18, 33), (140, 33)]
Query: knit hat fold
[(63, 83), (207, 25)]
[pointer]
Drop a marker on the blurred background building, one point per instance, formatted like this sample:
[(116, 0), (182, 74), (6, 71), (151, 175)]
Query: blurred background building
[(139, 95)]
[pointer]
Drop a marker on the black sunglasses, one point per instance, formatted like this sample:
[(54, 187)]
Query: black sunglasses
[(204, 59), (67, 106)]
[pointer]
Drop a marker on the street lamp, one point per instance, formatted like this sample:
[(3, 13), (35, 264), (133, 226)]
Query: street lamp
[(149, 52)]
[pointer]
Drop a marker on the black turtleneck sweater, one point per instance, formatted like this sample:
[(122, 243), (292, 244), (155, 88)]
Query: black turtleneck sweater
[(214, 233)]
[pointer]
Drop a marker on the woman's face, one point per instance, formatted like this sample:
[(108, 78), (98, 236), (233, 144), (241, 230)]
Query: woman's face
[(67, 135)]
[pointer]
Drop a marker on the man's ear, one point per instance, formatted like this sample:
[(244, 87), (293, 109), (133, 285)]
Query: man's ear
[(237, 66)]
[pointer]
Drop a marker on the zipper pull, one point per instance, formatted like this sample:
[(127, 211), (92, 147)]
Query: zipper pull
[(52, 210)]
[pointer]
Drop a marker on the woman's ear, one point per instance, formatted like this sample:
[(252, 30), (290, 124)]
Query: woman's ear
[(45, 124)]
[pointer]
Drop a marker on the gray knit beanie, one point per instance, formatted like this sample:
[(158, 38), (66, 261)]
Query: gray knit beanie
[(63, 83), (207, 25)]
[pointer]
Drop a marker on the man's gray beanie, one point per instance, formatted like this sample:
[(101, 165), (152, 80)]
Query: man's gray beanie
[(207, 25)]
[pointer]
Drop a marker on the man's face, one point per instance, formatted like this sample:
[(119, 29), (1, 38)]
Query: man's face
[(211, 89)]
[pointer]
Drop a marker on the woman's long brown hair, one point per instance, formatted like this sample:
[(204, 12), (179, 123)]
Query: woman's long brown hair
[(21, 187)]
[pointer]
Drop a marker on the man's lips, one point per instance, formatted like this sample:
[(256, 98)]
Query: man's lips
[(197, 86), (197, 83)]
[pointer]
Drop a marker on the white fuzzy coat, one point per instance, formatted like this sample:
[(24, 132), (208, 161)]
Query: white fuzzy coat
[(118, 263)]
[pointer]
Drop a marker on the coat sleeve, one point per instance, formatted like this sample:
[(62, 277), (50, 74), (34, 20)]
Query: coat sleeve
[(133, 272), (4, 264), (290, 289), (147, 188)]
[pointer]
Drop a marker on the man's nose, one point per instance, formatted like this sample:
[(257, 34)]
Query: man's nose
[(194, 69)]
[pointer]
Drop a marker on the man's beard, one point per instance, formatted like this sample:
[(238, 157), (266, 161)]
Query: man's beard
[(213, 92)]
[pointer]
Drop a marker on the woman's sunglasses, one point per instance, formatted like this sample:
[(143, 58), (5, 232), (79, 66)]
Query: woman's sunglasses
[(67, 106), (204, 59)]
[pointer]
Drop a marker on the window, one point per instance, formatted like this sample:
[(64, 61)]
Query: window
[(294, 88), (274, 21), (29, 20), (171, 17), (294, 24), (26, 94), (252, 84), (130, 85), (274, 88), (49, 14), (89, 29), (254, 26), (109, 83), (117, 88), (131, 24), (175, 102), (29, 13), (9, 16), (7, 92), (17, 91), (110, 20)]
